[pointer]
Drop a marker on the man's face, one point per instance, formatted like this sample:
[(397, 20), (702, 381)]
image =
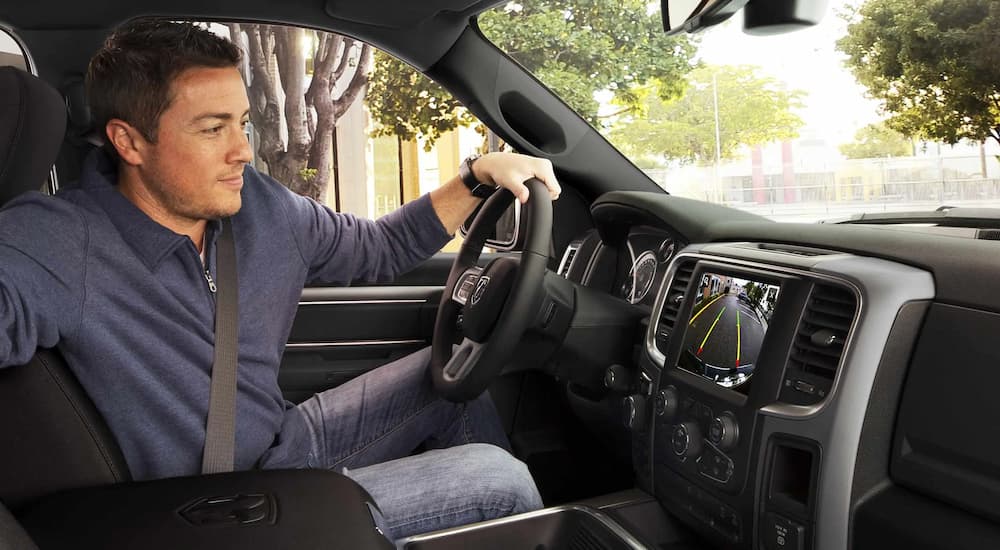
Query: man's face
[(194, 170)]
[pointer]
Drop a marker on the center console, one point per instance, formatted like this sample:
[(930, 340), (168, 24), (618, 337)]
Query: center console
[(748, 406), (761, 359)]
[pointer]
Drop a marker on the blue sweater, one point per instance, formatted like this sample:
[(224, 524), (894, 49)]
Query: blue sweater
[(127, 302)]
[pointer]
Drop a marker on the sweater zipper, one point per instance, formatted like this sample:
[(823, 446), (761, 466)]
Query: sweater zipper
[(211, 282)]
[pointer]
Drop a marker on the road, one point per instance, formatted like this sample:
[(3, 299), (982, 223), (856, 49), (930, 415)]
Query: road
[(724, 333)]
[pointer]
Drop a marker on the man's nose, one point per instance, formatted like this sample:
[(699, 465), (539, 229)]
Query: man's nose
[(241, 150)]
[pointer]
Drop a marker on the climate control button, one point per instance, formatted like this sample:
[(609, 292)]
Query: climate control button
[(724, 431), (686, 439), (667, 402)]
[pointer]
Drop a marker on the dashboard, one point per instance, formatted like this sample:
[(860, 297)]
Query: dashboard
[(777, 397)]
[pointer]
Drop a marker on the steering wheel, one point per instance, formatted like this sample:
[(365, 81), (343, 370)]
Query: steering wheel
[(497, 303)]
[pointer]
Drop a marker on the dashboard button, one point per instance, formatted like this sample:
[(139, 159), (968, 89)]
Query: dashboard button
[(634, 411), (686, 439), (804, 387), (667, 402), (723, 432), (715, 465), (780, 533)]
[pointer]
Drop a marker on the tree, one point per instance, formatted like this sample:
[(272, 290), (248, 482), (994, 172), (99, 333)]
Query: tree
[(407, 104), (752, 109), (301, 156), (877, 141), (935, 64), (575, 48)]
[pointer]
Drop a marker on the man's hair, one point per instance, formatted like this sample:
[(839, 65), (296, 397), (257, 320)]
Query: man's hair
[(129, 78)]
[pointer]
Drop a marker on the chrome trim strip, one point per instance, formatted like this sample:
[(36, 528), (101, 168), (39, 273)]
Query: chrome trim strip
[(571, 250), (601, 518), (368, 293), (29, 61), (505, 246), (358, 302), (299, 345), (53, 181)]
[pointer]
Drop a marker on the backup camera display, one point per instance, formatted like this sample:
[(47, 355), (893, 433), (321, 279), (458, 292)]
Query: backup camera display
[(726, 328)]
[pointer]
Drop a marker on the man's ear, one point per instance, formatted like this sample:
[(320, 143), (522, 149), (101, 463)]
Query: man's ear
[(127, 141)]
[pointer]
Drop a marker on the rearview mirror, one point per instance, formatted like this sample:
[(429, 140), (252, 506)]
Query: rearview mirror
[(508, 232), (693, 15), (761, 17)]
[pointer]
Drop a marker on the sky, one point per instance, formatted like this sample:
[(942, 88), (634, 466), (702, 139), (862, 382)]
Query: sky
[(7, 43), (836, 106)]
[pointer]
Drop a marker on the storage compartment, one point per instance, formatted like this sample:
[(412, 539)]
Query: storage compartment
[(945, 443), (240, 510), (562, 528)]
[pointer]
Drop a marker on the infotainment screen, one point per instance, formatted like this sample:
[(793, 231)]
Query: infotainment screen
[(727, 325)]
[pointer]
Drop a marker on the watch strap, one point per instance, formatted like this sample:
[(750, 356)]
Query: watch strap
[(468, 177)]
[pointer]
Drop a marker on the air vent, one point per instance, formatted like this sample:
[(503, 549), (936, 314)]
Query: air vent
[(672, 304), (989, 234), (819, 344), (567, 260)]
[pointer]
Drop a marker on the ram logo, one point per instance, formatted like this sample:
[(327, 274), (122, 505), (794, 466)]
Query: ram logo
[(477, 294)]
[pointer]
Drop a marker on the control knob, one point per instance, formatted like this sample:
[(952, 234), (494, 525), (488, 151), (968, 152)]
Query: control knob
[(617, 378), (686, 439), (633, 411), (667, 402), (724, 431)]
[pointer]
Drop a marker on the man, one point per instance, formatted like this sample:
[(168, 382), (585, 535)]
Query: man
[(124, 286)]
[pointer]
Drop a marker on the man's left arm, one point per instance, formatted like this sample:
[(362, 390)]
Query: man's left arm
[(454, 202), (340, 248)]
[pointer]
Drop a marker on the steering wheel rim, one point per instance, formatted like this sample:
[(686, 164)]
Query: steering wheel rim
[(462, 373)]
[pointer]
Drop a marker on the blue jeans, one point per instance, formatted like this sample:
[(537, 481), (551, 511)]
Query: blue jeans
[(370, 426)]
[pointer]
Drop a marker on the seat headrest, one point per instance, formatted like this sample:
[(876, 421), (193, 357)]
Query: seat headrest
[(32, 127)]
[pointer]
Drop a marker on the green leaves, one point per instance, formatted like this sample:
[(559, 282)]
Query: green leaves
[(580, 47), (935, 64), (752, 109), (577, 48), (877, 141)]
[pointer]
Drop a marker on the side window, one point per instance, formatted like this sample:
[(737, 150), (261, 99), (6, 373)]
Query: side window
[(10, 52), (335, 119)]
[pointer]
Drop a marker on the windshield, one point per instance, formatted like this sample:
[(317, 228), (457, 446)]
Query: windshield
[(885, 106)]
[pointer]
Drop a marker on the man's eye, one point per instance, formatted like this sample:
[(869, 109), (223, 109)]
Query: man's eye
[(213, 130)]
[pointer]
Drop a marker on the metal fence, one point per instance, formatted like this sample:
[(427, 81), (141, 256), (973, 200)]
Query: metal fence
[(805, 193)]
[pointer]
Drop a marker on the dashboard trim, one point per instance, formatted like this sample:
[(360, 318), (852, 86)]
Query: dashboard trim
[(786, 410), (882, 288)]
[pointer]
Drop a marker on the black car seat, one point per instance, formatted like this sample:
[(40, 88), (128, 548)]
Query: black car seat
[(53, 436)]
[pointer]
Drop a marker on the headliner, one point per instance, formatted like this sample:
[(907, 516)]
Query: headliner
[(418, 31)]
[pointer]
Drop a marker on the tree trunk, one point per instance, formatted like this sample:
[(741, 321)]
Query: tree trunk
[(303, 163)]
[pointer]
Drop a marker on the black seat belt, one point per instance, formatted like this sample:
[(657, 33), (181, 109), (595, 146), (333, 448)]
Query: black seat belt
[(220, 430)]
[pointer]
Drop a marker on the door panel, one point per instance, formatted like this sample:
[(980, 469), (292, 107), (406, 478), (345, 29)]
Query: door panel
[(340, 333)]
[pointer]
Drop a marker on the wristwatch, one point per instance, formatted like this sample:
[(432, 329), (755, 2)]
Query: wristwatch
[(468, 177)]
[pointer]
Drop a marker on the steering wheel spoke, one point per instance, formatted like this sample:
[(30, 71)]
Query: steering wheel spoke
[(465, 356)]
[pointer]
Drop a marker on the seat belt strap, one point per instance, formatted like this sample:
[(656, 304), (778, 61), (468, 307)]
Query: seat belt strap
[(220, 430)]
